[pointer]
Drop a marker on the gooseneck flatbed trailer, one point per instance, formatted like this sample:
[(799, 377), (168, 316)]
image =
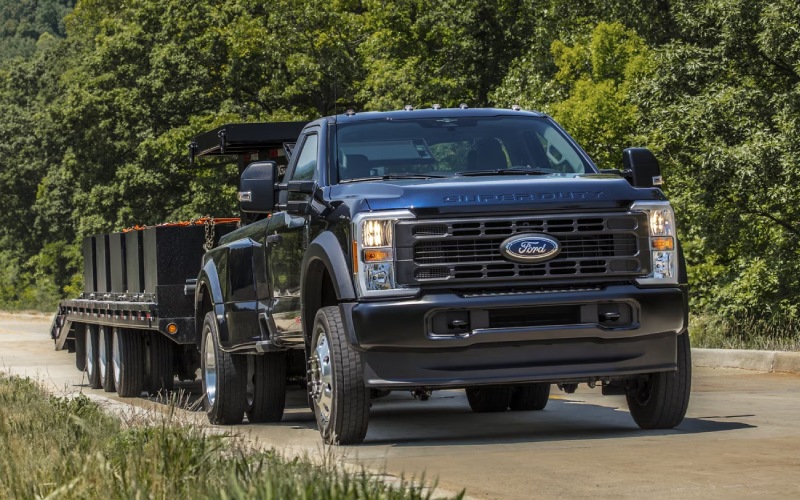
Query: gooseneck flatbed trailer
[(137, 307)]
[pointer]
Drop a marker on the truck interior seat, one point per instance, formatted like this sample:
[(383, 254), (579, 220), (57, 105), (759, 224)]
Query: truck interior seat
[(487, 154)]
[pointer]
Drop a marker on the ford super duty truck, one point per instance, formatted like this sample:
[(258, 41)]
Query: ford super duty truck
[(476, 249)]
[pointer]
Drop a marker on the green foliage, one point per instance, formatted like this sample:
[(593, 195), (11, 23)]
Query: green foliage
[(69, 448), (23, 23)]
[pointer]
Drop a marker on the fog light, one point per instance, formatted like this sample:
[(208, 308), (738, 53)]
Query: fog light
[(172, 328)]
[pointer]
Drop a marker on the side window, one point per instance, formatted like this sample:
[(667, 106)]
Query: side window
[(306, 168)]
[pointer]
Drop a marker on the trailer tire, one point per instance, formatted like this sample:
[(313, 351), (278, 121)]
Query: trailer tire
[(529, 397), (266, 387), (159, 361), (92, 335), (660, 400), (336, 381), (224, 378), (489, 398), (80, 346), (128, 362), (104, 357)]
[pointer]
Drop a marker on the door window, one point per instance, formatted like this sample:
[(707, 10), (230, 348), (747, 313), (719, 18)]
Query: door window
[(306, 168)]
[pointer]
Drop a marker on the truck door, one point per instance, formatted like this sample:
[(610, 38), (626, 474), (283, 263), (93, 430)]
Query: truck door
[(286, 241)]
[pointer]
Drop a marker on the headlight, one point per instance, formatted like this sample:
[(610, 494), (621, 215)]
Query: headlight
[(374, 254), (663, 252)]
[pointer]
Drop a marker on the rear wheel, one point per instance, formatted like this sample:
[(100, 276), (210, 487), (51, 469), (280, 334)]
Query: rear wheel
[(489, 398), (266, 387), (224, 378), (160, 373), (659, 401), (104, 356), (92, 363), (336, 381), (529, 397), (128, 362), (80, 346)]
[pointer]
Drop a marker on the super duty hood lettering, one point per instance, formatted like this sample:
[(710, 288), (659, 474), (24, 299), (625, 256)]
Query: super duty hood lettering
[(489, 198)]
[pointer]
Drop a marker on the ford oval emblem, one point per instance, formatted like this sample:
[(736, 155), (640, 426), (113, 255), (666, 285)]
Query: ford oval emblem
[(530, 248)]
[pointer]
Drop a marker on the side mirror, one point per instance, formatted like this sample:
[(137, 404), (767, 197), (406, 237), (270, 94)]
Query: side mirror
[(257, 187), (641, 167)]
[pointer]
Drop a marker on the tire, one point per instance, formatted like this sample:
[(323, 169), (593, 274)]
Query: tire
[(224, 378), (266, 387), (92, 335), (104, 357), (336, 382), (660, 400), (159, 364), (80, 346), (489, 398), (529, 397), (128, 362)]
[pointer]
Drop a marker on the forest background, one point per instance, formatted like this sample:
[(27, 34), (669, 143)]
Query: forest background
[(99, 99)]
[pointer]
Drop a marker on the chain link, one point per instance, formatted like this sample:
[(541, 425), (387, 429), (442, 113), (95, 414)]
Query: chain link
[(210, 229)]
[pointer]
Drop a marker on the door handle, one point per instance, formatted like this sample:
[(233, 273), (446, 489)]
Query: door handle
[(274, 238)]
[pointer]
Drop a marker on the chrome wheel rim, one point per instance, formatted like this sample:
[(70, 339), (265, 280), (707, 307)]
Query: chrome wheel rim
[(321, 387), (210, 369), (90, 368), (115, 356), (102, 360)]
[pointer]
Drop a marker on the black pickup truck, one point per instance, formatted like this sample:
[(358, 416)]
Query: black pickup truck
[(408, 250)]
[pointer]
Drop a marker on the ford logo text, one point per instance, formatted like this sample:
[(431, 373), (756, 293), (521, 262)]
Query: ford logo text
[(530, 248)]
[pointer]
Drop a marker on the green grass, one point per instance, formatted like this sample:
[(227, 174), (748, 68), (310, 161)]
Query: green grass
[(745, 333), (53, 447)]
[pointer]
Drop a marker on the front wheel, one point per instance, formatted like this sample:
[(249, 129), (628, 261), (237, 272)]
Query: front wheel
[(659, 400), (336, 387), (224, 378), (529, 397), (489, 398)]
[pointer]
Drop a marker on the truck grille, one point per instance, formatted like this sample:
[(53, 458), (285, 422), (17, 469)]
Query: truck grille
[(602, 246)]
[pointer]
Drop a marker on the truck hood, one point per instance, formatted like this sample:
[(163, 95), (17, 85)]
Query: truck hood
[(495, 193)]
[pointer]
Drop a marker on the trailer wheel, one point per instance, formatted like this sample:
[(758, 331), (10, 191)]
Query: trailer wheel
[(266, 387), (159, 362), (529, 397), (336, 382), (660, 400), (104, 356), (92, 362), (80, 346), (128, 362), (224, 378), (489, 398)]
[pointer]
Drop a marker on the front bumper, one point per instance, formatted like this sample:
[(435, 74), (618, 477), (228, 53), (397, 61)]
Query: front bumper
[(402, 342)]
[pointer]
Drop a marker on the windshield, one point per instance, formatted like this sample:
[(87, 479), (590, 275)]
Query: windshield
[(449, 146)]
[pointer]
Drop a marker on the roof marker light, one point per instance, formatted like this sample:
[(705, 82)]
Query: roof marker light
[(408, 107), (515, 107), (350, 112), (463, 105), (437, 106)]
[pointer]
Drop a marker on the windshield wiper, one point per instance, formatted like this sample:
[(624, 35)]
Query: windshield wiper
[(504, 171), (395, 176)]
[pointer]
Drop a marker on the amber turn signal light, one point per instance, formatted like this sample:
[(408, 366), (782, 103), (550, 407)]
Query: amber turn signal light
[(663, 243)]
